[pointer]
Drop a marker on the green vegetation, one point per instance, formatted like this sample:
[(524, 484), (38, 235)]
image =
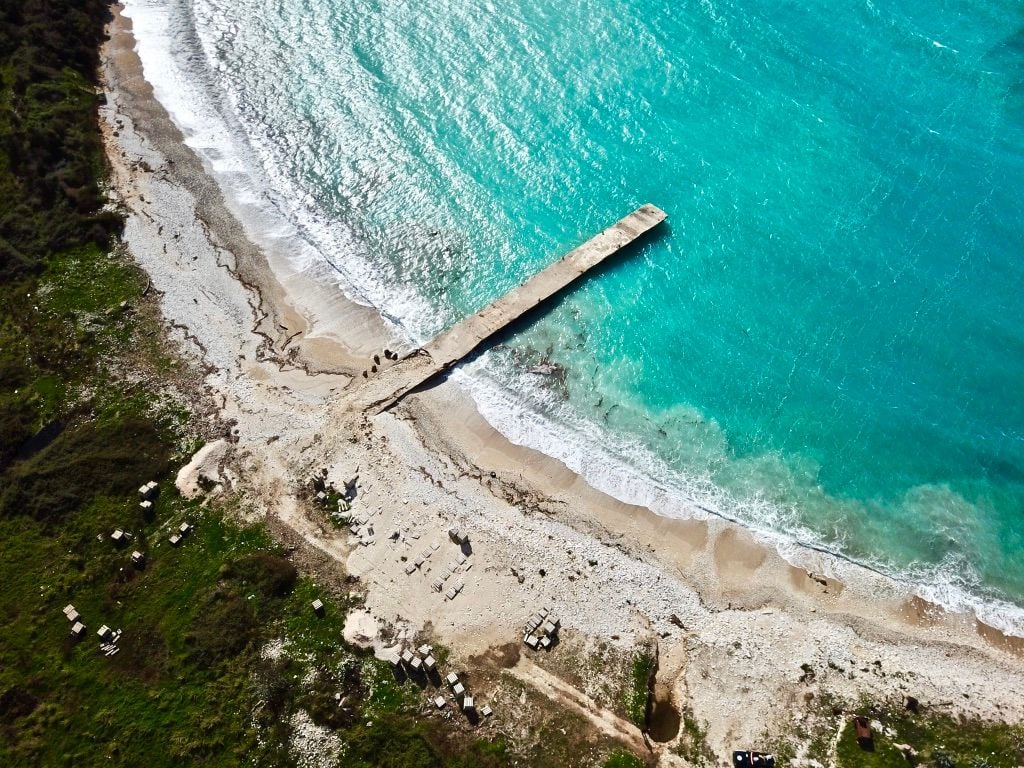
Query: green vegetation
[(623, 759), (637, 694), (938, 739), (693, 742), (935, 739)]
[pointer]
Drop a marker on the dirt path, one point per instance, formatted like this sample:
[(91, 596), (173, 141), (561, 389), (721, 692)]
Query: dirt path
[(558, 690)]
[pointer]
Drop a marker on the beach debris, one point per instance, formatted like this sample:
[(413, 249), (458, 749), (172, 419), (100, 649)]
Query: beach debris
[(318, 607), (541, 630), (865, 738), (751, 759)]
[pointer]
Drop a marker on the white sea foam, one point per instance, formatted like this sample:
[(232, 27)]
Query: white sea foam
[(275, 212), (635, 475), (284, 219)]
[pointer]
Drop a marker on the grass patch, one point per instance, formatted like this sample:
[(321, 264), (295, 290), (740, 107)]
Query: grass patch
[(938, 739), (693, 742), (622, 759), (638, 692)]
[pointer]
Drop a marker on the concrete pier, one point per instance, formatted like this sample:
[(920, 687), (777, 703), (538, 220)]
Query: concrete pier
[(383, 389)]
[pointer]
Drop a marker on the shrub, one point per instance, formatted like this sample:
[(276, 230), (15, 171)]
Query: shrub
[(266, 575), (94, 458), (225, 626)]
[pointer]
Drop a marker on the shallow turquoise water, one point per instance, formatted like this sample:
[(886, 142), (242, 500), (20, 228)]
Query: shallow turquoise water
[(827, 342)]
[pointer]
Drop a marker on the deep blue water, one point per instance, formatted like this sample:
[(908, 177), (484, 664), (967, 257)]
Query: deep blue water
[(826, 343)]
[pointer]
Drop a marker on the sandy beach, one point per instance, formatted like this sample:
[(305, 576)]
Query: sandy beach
[(735, 625)]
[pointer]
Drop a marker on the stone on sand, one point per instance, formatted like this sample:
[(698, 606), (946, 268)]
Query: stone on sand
[(360, 628), (205, 464)]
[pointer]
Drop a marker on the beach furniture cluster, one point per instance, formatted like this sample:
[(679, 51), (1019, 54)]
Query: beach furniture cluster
[(541, 631), (121, 537), (420, 663), (421, 558), (460, 563)]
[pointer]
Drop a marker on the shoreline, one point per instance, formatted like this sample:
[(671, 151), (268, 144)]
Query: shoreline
[(280, 367), (315, 325)]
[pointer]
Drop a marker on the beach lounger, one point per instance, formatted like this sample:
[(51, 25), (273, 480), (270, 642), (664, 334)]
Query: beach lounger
[(452, 678), (409, 569), (451, 593), (437, 584)]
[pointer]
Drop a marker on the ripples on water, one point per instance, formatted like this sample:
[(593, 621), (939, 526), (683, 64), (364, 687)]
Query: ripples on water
[(827, 343)]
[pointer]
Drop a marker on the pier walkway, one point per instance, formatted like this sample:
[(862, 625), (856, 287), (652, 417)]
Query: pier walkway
[(388, 386)]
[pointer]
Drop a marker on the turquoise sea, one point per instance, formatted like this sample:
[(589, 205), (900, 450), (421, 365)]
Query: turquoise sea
[(827, 341)]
